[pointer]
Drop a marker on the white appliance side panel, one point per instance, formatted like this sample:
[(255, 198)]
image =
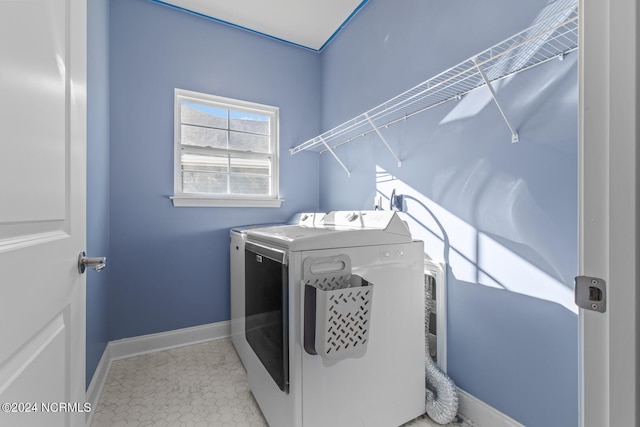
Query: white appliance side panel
[(236, 260), (385, 387)]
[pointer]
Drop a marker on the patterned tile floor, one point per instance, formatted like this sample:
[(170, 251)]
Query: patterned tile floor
[(193, 386)]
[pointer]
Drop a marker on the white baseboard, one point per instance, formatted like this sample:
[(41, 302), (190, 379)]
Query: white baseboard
[(481, 414), (129, 347), (94, 391)]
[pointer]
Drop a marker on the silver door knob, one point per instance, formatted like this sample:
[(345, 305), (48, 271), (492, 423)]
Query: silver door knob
[(98, 263)]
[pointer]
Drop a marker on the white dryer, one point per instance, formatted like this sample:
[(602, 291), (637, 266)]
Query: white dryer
[(236, 261), (300, 282)]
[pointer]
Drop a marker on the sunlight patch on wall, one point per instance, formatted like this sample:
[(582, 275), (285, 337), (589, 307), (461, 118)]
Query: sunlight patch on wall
[(472, 255)]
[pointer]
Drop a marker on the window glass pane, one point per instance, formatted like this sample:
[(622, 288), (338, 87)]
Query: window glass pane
[(203, 115), (197, 162), (203, 182), (248, 122), (249, 142), (249, 184), (203, 137), (251, 166), (237, 133)]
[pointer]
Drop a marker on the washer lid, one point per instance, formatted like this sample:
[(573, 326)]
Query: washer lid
[(341, 229)]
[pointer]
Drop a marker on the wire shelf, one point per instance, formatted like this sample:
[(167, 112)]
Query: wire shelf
[(553, 34)]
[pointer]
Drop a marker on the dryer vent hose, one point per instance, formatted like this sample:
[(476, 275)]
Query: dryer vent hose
[(441, 392)]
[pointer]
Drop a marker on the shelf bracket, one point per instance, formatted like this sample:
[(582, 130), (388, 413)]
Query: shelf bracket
[(375, 128), (514, 134), (335, 156)]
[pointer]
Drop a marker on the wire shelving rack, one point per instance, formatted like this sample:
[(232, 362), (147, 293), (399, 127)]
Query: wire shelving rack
[(554, 34)]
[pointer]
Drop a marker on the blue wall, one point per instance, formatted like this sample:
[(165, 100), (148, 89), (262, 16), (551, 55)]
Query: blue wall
[(509, 211), (169, 267), (97, 179)]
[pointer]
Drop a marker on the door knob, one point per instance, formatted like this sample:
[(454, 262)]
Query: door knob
[(98, 263)]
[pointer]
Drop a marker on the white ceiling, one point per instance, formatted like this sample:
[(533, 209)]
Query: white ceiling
[(308, 23)]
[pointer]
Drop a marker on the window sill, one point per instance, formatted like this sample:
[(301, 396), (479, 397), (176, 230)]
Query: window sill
[(195, 201)]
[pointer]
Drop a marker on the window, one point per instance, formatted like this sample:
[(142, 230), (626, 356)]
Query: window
[(226, 152)]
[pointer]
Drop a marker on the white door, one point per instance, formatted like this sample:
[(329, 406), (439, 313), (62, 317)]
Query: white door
[(42, 211), (609, 137)]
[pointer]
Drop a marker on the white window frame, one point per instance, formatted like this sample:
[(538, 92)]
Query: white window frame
[(181, 198)]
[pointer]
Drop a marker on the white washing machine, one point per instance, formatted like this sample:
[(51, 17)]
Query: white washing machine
[(334, 322), (236, 259)]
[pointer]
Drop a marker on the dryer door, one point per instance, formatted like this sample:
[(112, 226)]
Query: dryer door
[(266, 313)]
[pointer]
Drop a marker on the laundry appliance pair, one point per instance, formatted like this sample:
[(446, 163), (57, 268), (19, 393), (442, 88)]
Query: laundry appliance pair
[(328, 319)]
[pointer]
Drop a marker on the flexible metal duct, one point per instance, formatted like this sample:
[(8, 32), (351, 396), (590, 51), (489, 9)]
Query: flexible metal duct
[(441, 392)]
